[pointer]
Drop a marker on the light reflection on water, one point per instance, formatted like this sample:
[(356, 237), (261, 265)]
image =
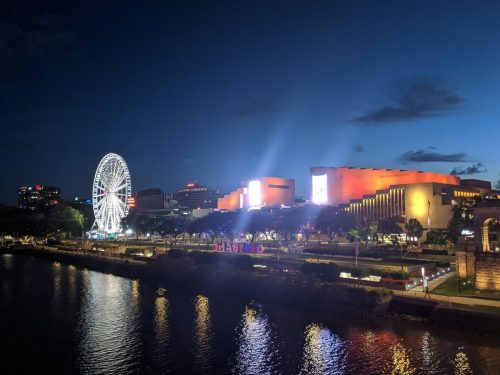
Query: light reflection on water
[(256, 353), (107, 324), (323, 352), (461, 363), (56, 279), (72, 273), (401, 364), (109, 338), (203, 335), (161, 347), (6, 262)]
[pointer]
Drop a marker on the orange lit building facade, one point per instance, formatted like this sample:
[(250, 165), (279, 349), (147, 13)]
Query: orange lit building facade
[(375, 194), (258, 193), (341, 185)]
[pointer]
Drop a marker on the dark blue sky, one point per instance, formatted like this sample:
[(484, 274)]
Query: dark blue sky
[(220, 92)]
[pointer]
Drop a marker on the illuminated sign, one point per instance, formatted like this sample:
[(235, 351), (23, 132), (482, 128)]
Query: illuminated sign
[(244, 247), (319, 189), (131, 202), (254, 194), (190, 185)]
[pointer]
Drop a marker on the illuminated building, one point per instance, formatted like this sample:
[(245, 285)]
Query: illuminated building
[(152, 199), (37, 197), (375, 194), (430, 203), (195, 196), (333, 186), (258, 193), (156, 203)]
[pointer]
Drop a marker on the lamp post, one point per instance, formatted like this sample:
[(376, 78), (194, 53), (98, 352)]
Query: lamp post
[(423, 279), (401, 254)]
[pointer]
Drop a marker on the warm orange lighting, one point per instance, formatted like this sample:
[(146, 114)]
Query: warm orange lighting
[(345, 184)]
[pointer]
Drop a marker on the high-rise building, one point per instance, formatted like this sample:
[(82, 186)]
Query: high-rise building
[(37, 197), (195, 196)]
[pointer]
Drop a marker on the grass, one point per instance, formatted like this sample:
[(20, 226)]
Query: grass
[(450, 288), (479, 308)]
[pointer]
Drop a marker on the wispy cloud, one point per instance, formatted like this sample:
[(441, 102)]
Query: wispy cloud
[(255, 108), (411, 101), (423, 156), (473, 169)]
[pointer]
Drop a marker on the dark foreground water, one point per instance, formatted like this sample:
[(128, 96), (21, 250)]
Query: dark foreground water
[(57, 319)]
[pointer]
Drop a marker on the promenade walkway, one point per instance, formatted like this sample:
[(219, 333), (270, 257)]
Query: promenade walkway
[(417, 292)]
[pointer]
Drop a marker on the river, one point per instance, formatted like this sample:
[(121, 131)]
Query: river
[(58, 319)]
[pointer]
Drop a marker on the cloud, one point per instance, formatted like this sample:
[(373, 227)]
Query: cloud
[(473, 169), (255, 108), (422, 156), (358, 147), (412, 100)]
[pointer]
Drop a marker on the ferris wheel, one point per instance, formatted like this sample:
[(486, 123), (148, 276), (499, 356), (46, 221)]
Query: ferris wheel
[(111, 193)]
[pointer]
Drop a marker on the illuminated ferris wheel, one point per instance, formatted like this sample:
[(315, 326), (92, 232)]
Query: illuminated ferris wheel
[(111, 193)]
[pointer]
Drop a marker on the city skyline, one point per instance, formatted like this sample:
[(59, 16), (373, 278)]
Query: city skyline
[(221, 93)]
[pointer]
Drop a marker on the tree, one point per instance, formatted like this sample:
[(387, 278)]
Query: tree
[(140, 224), (285, 225), (363, 233), (216, 224), (255, 223), (172, 226), (332, 221), (62, 218), (390, 228), (207, 225), (461, 219), (303, 218), (414, 229), (436, 237)]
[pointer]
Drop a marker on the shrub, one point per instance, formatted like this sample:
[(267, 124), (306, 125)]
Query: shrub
[(396, 275), (359, 272), (205, 258), (325, 271)]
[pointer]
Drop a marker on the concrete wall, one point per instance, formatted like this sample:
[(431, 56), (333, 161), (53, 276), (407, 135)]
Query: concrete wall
[(277, 191), (423, 204), (466, 264), (488, 271)]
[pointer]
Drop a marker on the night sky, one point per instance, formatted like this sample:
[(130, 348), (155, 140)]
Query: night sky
[(220, 92)]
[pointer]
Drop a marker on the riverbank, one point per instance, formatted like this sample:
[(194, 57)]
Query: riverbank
[(289, 291)]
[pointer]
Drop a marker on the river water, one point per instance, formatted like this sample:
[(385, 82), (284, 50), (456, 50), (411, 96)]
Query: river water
[(58, 319)]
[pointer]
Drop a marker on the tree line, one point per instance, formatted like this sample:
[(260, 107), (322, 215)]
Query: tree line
[(56, 220), (280, 226)]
